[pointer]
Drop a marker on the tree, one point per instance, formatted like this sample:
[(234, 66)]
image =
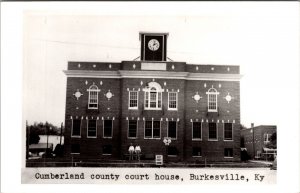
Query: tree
[(242, 127)]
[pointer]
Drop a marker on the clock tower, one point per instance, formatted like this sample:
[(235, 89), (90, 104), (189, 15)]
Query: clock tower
[(153, 46)]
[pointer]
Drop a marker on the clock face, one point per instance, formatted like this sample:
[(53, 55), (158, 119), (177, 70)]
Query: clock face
[(153, 44)]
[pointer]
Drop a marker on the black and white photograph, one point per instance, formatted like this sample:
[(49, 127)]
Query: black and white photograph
[(169, 93)]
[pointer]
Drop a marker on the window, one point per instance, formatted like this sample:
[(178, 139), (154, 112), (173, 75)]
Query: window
[(172, 129), (76, 127), (133, 99), (153, 95), (107, 149), (132, 129), (92, 128), (197, 131), (267, 138), (172, 100), (107, 128), (212, 131), (93, 97), (228, 153), (212, 96), (227, 131), (152, 129), (172, 151), (75, 148), (196, 152)]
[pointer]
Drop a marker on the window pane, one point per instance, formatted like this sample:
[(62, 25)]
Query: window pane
[(133, 99), (75, 148), (228, 131), (92, 128), (146, 99), (156, 129), (172, 129), (159, 100), (76, 127), (107, 128), (148, 129), (196, 130), (132, 128), (173, 100), (228, 152), (212, 131), (107, 149), (196, 151)]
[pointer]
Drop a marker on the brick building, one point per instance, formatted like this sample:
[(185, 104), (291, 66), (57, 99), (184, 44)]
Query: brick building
[(111, 105), (256, 139)]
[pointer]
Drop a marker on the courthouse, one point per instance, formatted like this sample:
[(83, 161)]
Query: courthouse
[(141, 102)]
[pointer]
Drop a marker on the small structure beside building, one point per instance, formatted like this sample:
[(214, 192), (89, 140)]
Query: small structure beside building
[(36, 149), (256, 140)]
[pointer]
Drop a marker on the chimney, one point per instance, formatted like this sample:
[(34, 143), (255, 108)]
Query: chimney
[(252, 125)]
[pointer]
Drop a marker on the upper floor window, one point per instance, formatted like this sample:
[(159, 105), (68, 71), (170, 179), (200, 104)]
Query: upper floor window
[(197, 131), (172, 129), (92, 128), (133, 99), (153, 95), (93, 97), (212, 131), (76, 125), (228, 131), (152, 129), (172, 96), (212, 97), (108, 128), (132, 128)]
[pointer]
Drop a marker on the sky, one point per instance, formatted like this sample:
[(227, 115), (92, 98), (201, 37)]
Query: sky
[(260, 39)]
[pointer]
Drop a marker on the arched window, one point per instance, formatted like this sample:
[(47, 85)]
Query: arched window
[(212, 97), (153, 94), (93, 97)]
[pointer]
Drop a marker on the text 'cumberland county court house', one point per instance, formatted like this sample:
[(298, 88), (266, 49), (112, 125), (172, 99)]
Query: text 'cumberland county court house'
[(112, 105)]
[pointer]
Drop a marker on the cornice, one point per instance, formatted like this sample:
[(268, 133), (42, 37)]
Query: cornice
[(153, 74)]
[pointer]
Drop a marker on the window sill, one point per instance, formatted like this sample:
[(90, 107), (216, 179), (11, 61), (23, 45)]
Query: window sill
[(196, 139), (228, 157), (90, 137), (75, 136), (107, 137), (133, 108), (228, 140), (196, 156), (212, 111), (172, 109), (212, 140), (152, 109), (153, 138), (172, 155), (131, 137), (75, 153), (106, 154)]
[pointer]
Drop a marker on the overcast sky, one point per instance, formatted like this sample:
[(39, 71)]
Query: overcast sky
[(262, 40)]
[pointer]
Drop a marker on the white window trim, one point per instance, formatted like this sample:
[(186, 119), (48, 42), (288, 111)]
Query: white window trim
[(75, 153), (208, 93), (152, 130), (196, 139), (173, 109), (93, 90), (176, 130), (217, 133), (112, 129), (137, 126), (76, 136), (148, 90), (231, 132), (87, 129), (137, 104)]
